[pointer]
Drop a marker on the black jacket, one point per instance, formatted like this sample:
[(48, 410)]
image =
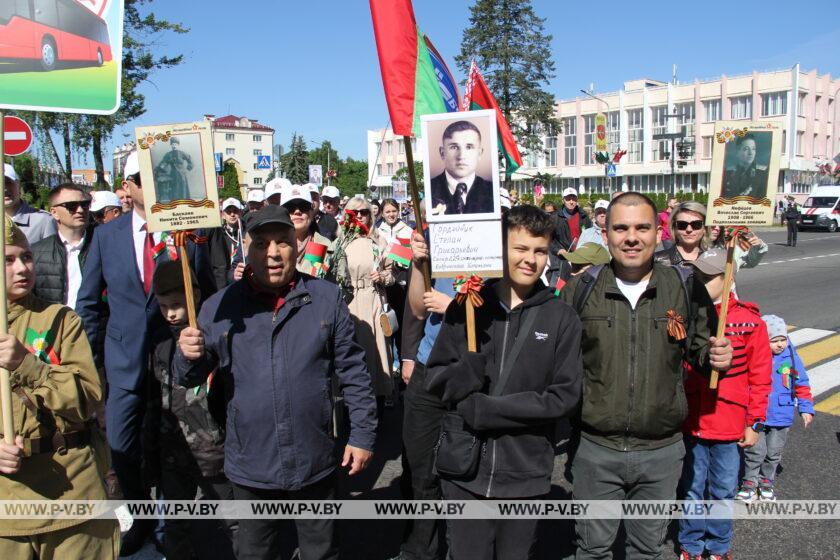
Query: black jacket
[(50, 259), (327, 225), (221, 246), (544, 384), (479, 195)]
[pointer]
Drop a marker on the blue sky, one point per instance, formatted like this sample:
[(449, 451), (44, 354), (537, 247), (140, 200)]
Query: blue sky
[(311, 67)]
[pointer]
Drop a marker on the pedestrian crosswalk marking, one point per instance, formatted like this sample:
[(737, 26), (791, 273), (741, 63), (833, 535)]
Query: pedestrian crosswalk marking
[(831, 405), (824, 377), (820, 351), (800, 337), (815, 346)]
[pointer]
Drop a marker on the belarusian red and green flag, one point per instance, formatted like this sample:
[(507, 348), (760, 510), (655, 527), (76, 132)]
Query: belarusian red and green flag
[(408, 72), (478, 97), (400, 252)]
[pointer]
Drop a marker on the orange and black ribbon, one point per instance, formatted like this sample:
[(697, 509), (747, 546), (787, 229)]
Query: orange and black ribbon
[(469, 288), (676, 325), (180, 238), (741, 234)]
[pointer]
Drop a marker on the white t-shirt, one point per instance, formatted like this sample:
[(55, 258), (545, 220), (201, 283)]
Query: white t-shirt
[(632, 290)]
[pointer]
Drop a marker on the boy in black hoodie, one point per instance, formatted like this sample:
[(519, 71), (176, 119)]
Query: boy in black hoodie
[(184, 431), (525, 375)]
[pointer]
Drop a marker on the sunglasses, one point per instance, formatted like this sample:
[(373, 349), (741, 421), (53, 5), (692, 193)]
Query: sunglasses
[(293, 207), (363, 212), (74, 205), (682, 225)]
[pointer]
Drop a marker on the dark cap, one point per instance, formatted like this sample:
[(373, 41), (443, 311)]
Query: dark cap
[(271, 214), (169, 278)]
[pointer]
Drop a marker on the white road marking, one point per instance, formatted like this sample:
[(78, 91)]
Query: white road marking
[(824, 377), (800, 258), (801, 337)]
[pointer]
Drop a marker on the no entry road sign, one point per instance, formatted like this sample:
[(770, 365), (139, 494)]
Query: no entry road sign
[(17, 136)]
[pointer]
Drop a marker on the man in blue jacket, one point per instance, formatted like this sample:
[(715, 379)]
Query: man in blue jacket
[(278, 337)]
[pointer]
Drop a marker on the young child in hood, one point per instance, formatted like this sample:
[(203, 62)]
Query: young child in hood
[(722, 420), (791, 390)]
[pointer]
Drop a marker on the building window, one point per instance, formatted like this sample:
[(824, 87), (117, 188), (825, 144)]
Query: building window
[(229, 137), (707, 147), (815, 148), (230, 151), (390, 169), (257, 152), (613, 131), (379, 170), (830, 109), (686, 118), (635, 135), (258, 180), (774, 104), (801, 110), (741, 107), (660, 126), (388, 148), (551, 151), (588, 139), (784, 141), (817, 100), (377, 147), (800, 141), (401, 147), (257, 137), (255, 166), (712, 110), (570, 141)]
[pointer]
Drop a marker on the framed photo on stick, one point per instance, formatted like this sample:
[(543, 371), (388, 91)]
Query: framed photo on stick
[(177, 170), (745, 173)]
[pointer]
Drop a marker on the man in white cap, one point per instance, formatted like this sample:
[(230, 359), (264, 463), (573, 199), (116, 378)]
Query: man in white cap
[(105, 206), (256, 199), (574, 215), (330, 200), (274, 188), (225, 243), (595, 234), (122, 258), (327, 225), (35, 224)]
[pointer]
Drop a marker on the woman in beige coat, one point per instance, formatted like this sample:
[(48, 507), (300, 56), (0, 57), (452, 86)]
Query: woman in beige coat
[(357, 264)]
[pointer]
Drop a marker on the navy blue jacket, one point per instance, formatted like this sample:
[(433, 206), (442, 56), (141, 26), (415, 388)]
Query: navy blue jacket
[(277, 369), (111, 265)]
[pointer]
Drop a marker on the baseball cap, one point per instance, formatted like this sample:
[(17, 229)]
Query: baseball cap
[(132, 165), (313, 188), (711, 263), (330, 192), (103, 199), (9, 171), (601, 205), (276, 186), (569, 191), (271, 214), (295, 192), (256, 195), (588, 253), (228, 202)]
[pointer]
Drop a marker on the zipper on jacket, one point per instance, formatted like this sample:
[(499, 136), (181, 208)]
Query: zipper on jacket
[(493, 453), (606, 318), (631, 374)]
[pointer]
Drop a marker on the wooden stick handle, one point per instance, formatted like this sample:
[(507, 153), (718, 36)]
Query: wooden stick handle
[(188, 287), (415, 201), (5, 382), (724, 302), (472, 346)]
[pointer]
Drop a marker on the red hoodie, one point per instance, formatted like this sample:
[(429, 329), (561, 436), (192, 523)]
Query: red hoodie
[(741, 397)]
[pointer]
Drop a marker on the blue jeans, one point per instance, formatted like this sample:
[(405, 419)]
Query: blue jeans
[(710, 471)]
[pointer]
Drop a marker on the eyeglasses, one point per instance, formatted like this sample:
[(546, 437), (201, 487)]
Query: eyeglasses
[(74, 205), (682, 225), (302, 205), (363, 212)]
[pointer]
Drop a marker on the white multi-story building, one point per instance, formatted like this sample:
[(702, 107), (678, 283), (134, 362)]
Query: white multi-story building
[(241, 141), (119, 157), (386, 156), (805, 102)]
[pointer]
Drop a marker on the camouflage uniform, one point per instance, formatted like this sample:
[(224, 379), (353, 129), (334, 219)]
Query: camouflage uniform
[(184, 452)]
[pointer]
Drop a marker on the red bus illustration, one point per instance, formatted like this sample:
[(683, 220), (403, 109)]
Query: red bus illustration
[(52, 31)]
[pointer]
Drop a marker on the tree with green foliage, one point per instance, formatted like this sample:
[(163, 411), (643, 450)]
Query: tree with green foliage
[(326, 156), (402, 174), (351, 177), (295, 162), (230, 182), (511, 47)]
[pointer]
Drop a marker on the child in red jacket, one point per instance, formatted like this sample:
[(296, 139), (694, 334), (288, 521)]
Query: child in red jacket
[(722, 420)]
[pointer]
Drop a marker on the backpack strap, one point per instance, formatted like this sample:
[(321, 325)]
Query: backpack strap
[(585, 286)]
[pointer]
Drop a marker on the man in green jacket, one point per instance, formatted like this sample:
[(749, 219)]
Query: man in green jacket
[(640, 321)]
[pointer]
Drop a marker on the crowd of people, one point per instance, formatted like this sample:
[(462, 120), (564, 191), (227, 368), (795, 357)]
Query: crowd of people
[(309, 329)]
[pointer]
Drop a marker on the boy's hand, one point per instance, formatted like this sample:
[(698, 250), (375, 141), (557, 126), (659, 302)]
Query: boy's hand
[(10, 456), (807, 418), (436, 302), (720, 353), (191, 343), (419, 249), (12, 352), (750, 437)]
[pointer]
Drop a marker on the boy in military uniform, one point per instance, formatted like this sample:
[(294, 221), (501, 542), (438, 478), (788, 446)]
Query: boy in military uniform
[(746, 177), (184, 432), (57, 453)]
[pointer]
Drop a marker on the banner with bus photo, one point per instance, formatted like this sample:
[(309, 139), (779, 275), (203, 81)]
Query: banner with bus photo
[(61, 55), (745, 173)]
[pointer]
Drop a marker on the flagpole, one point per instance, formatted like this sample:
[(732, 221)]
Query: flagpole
[(5, 382), (418, 215)]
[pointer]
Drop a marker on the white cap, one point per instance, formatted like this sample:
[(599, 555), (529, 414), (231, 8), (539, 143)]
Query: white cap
[(313, 188), (602, 204), (330, 192), (295, 192), (504, 196), (9, 171), (570, 191), (103, 199), (276, 186), (256, 195), (132, 165), (228, 202)]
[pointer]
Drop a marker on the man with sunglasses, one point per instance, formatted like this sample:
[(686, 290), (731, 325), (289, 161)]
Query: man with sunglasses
[(104, 207), (35, 224), (59, 258)]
